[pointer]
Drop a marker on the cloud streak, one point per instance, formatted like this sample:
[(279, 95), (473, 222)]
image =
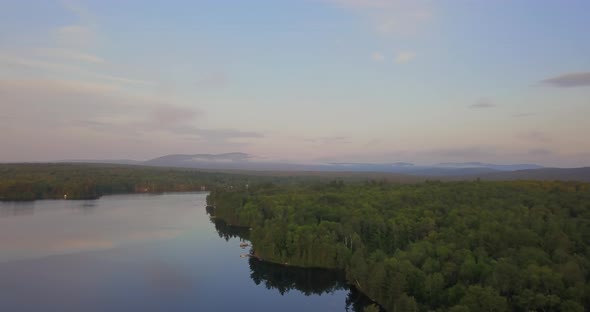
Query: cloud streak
[(378, 56), (173, 115), (61, 68), (71, 55), (83, 110), (78, 36), (329, 140), (569, 80), (389, 17), (536, 136), (523, 115), (483, 103), (404, 57)]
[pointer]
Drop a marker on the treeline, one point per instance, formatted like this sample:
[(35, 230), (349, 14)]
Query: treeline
[(30, 181), (87, 181), (457, 246)]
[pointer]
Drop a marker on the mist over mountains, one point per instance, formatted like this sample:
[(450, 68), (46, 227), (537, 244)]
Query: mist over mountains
[(243, 161)]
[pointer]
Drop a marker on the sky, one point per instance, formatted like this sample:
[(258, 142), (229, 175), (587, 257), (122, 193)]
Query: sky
[(500, 81)]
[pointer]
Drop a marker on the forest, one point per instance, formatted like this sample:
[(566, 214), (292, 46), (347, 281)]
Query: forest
[(89, 181), (444, 246)]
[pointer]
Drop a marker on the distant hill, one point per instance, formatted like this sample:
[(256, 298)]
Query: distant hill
[(445, 171), (511, 167), (243, 161), (563, 174), (181, 160)]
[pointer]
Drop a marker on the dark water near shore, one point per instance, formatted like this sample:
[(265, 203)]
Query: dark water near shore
[(146, 253)]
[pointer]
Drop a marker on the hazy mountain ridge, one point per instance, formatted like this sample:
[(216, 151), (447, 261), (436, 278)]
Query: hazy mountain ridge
[(181, 159), (563, 174), (511, 167), (445, 171), (243, 161)]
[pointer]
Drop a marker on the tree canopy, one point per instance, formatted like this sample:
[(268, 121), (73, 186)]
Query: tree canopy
[(457, 246)]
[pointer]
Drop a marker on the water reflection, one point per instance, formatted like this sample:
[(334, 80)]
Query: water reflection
[(86, 207), (287, 278), (27, 208), (17, 209), (228, 232), (51, 227), (146, 253), (164, 276)]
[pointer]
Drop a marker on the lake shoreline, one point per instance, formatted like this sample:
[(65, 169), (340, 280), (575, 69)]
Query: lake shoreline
[(252, 254), (2, 200)]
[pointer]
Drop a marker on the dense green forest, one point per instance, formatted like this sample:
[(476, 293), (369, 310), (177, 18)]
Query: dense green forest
[(86, 181), (453, 246)]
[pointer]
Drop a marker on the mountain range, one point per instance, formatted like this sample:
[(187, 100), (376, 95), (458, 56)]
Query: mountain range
[(450, 170)]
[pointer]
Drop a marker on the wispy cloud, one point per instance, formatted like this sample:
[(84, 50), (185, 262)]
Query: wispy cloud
[(173, 115), (83, 34), (223, 134), (122, 79), (55, 87), (390, 16), (404, 57), (535, 136), (523, 115), (216, 79), (377, 56), (75, 36), (483, 103), (67, 54), (539, 152), (65, 67), (81, 12), (328, 140), (569, 80), (77, 111)]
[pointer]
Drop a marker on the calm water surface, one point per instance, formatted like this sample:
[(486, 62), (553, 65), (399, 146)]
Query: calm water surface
[(145, 253)]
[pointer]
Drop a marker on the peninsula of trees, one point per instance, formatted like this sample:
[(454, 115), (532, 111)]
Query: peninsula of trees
[(452, 246)]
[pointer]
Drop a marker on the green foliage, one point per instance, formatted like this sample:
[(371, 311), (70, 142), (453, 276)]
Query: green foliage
[(90, 181), (456, 246), (371, 308), (84, 181)]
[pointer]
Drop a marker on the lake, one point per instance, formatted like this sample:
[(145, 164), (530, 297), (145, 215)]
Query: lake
[(146, 253)]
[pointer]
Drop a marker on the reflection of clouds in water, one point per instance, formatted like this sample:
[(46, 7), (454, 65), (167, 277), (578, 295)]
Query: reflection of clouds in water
[(68, 244), (164, 276), (79, 245), (16, 209), (154, 235), (59, 227)]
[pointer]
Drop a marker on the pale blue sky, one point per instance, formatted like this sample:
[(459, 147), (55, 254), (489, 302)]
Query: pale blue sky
[(301, 80)]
